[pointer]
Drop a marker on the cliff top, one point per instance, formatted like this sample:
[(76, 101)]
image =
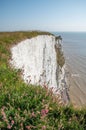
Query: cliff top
[(30, 107)]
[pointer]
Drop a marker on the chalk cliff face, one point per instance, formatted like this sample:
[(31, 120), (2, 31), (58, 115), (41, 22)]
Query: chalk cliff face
[(38, 58)]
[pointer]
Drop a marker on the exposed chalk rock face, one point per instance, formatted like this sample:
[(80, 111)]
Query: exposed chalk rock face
[(37, 58)]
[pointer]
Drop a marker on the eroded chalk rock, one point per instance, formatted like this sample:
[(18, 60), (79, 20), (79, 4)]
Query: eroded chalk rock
[(38, 59)]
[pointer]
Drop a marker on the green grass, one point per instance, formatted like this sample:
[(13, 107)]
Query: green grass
[(59, 55), (27, 107)]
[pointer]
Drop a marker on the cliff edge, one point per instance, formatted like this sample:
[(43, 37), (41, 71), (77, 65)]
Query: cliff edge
[(42, 62)]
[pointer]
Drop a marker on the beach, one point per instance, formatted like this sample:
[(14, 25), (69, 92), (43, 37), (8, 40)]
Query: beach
[(77, 89), (75, 56)]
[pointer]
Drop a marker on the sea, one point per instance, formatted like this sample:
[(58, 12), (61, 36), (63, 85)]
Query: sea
[(74, 48)]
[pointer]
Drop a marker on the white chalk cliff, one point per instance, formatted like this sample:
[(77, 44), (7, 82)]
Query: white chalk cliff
[(38, 60)]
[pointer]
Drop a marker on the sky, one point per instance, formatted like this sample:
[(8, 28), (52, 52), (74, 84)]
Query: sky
[(45, 15)]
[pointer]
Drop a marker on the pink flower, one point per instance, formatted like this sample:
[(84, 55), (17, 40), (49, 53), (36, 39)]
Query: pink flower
[(21, 124), (33, 114), (4, 115), (28, 127), (44, 127), (12, 122), (9, 126), (44, 112)]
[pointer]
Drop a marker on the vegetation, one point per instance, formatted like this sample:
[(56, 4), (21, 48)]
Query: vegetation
[(27, 107), (59, 55)]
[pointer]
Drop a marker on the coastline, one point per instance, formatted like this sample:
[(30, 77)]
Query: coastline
[(76, 95), (74, 48)]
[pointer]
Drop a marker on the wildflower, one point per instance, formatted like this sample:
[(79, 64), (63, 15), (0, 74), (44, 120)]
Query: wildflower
[(44, 127), (21, 124), (4, 115), (12, 122), (28, 127), (44, 112), (33, 114), (9, 126)]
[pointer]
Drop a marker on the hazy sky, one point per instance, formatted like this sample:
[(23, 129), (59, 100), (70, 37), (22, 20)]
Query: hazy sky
[(48, 15)]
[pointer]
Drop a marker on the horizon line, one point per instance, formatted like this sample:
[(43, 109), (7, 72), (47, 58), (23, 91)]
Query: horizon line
[(39, 30)]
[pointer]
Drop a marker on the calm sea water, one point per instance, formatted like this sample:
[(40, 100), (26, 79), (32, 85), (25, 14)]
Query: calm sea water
[(74, 47)]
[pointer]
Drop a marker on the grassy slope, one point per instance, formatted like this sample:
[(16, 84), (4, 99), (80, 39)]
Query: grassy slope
[(31, 107)]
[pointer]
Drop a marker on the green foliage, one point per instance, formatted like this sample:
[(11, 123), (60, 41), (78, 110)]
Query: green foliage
[(27, 107), (33, 107), (59, 55)]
